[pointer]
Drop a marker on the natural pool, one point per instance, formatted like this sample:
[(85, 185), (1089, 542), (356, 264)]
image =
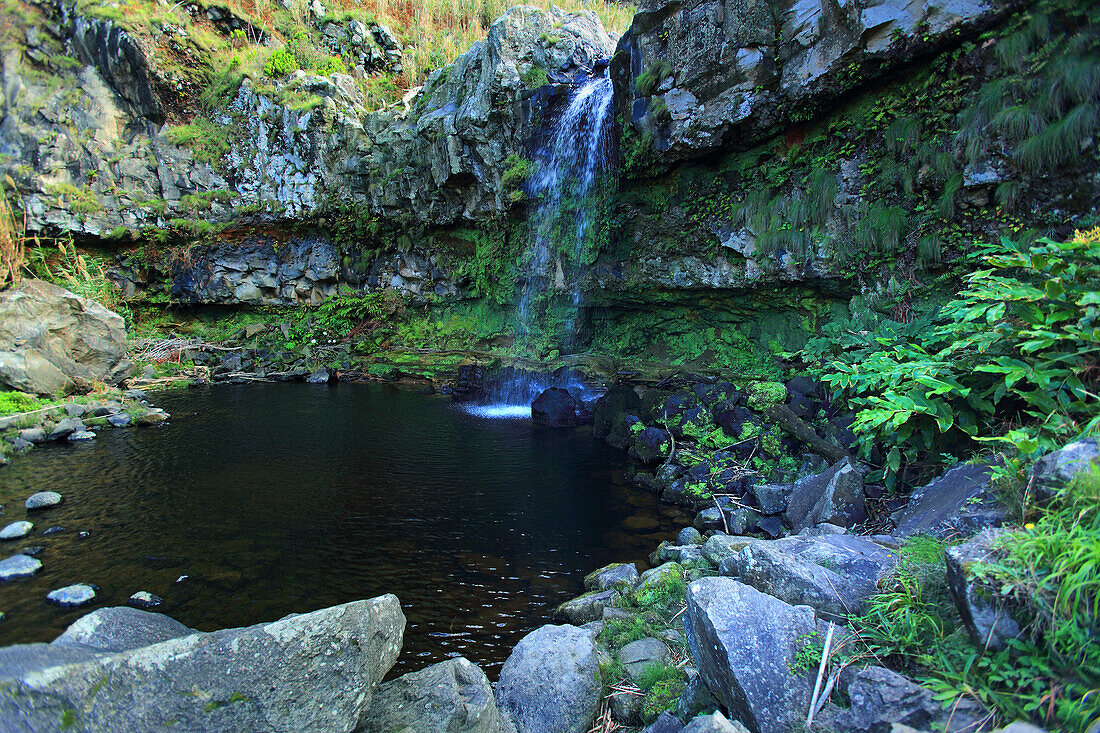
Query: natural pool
[(284, 498)]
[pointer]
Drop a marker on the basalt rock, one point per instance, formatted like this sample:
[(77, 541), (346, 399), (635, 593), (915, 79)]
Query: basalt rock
[(555, 408)]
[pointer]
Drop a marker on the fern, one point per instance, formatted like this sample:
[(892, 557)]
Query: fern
[(948, 201), (929, 249), (822, 188), (1017, 122), (903, 135), (1009, 193)]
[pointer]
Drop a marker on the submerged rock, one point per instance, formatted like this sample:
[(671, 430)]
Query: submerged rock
[(145, 599), (551, 681), (43, 500), (72, 596), (16, 530), (450, 697), (313, 671), (18, 566)]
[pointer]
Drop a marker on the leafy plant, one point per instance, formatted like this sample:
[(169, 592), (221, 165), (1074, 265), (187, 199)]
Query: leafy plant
[(1018, 346), (280, 63)]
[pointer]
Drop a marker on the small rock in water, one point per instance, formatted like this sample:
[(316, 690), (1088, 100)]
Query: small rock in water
[(182, 578), (72, 596), (53, 530), (81, 436), (65, 428), (120, 420), (33, 550), (43, 500), (18, 566), (16, 530), (145, 599), (82, 535), (20, 445)]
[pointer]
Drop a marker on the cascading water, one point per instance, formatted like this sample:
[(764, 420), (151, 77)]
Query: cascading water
[(566, 190)]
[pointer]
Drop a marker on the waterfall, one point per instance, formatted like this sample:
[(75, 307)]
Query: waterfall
[(566, 188)]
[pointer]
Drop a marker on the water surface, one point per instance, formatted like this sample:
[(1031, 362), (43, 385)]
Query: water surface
[(276, 499)]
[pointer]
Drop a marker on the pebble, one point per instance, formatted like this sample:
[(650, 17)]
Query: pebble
[(43, 500), (145, 599), (182, 578), (83, 535), (72, 596), (53, 530), (18, 566), (16, 530)]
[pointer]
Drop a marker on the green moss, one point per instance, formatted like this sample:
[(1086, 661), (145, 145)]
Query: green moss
[(534, 77), (762, 395)]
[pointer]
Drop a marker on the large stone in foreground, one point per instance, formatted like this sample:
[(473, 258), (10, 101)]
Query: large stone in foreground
[(985, 613), (551, 682), (450, 697), (54, 342), (744, 642), (834, 496), (118, 629), (313, 671)]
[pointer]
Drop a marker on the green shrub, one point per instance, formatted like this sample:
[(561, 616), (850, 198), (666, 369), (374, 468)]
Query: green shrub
[(280, 63), (12, 402)]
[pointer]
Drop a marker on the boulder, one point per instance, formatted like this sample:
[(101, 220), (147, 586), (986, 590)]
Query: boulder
[(744, 642), (637, 655), (16, 530), (881, 699), (689, 536), (450, 697), (586, 608), (772, 498), (313, 671), (714, 723), (18, 566), (794, 580), (834, 496), (612, 576), (320, 376), (33, 435), (72, 596), (666, 722), (696, 699), (551, 681), (145, 599), (1056, 470), (660, 576), (43, 500), (555, 408), (65, 428), (118, 629), (959, 501), (984, 612), (609, 415), (53, 342), (651, 445)]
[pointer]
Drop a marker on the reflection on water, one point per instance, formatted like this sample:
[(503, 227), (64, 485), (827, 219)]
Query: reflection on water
[(277, 499)]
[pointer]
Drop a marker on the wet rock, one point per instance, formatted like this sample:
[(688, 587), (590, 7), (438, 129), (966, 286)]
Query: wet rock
[(959, 501), (744, 642), (1056, 470), (651, 445), (609, 416), (16, 530), (637, 655), (714, 723), (53, 342), (586, 608), (145, 599), (118, 629), (33, 550), (120, 420), (314, 671), (881, 699), (834, 496), (72, 596), (52, 530), (689, 536), (17, 567), (555, 408), (43, 500), (984, 612), (321, 376), (612, 576), (450, 697), (65, 428), (551, 681), (81, 436)]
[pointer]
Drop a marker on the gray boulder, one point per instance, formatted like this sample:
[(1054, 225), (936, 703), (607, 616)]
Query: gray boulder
[(881, 699), (666, 722), (551, 681), (18, 566), (312, 671), (959, 501), (834, 496), (985, 613), (586, 608), (450, 697), (714, 723), (744, 642), (33, 435), (54, 342), (118, 629), (689, 536), (65, 428), (611, 576), (637, 655), (796, 581), (696, 699), (1056, 470), (72, 596)]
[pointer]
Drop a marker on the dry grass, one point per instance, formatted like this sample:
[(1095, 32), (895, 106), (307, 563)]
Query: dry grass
[(13, 253)]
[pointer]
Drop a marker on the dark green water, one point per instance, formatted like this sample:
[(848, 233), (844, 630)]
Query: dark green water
[(277, 499)]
